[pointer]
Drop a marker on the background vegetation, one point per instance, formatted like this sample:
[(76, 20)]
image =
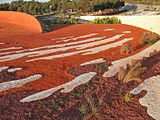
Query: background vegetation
[(107, 20), (61, 6)]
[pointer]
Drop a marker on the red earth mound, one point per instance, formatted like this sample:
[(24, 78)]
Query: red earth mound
[(54, 70), (24, 20)]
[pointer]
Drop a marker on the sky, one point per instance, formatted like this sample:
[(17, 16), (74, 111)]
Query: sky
[(8, 1)]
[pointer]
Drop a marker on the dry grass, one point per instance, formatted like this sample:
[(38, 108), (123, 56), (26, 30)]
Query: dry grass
[(132, 72), (92, 104), (100, 99), (83, 108), (127, 48), (100, 96)]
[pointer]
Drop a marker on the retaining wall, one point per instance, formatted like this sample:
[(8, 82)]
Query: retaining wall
[(23, 19), (151, 23)]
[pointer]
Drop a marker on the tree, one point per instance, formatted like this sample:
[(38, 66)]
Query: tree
[(74, 5), (19, 9), (84, 5)]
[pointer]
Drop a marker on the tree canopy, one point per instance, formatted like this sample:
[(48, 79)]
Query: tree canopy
[(61, 6)]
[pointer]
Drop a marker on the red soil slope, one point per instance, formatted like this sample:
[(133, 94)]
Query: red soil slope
[(54, 71), (22, 19)]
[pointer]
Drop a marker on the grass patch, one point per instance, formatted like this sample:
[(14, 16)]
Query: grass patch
[(128, 96)]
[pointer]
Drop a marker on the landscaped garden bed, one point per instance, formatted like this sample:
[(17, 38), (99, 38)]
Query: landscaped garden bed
[(45, 62)]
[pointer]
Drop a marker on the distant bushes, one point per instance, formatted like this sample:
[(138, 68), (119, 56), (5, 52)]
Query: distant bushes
[(47, 24), (67, 21), (107, 20)]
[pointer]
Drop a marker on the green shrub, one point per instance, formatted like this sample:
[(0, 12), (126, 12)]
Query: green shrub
[(153, 40), (144, 41), (128, 96), (107, 20), (150, 41), (63, 21)]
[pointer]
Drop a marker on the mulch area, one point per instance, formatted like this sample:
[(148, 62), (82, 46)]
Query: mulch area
[(54, 73), (60, 106)]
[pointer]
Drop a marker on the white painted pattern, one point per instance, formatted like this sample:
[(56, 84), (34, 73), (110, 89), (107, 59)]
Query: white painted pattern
[(123, 62), (76, 38), (63, 38), (14, 69), (10, 48), (44, 52), (18, 83), (84, 47), (3, 68), (102, 41), (152, 98), (109, 29), (2, 43), (101, 60), (84, 78), (127, 32), (84, 52)]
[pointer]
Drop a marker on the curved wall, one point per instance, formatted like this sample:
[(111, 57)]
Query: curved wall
[(22, 19), (151, 23)]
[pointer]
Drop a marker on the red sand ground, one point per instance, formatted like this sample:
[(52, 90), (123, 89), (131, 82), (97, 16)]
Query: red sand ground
[(22, 19), (55, 71)]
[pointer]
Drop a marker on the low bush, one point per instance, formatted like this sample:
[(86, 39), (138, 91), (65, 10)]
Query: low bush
[(107, 20), (127, 48), (63, 21), (150, 41)]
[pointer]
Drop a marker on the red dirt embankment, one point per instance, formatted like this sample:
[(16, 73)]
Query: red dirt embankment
[(54, 71), (22, 19)]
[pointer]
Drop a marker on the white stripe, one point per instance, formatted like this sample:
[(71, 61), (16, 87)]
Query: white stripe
[(126, 32), (101, 60), (152, 97), (123, 62), (80, 46), (2, 43), (52, 46), (63, 38), (3, 68), (76, 38), (83, 41), (108, 46), (84, 36), (109, 29), (18, 83), (101, 42), (84, 78), (44, 52), (14, 69), (10, 48), (89, 51)]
